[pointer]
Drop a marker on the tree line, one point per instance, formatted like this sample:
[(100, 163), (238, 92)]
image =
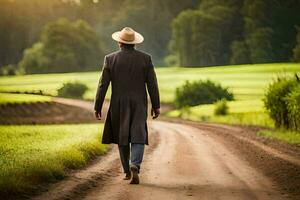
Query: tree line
[(185, 33), (23, 27), (221, 32)]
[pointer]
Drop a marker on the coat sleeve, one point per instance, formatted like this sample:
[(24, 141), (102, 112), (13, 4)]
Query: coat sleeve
[(152, 85), (102, 86)]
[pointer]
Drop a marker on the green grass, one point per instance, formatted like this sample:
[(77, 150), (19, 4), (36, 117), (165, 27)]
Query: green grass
[(7, 98), (246, 81), (282, 135), (244, 112), (30, 155)]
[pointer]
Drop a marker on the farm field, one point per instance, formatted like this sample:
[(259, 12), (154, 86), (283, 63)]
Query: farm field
[(8, 98), (243, 112), (32, 154), (245, 81)]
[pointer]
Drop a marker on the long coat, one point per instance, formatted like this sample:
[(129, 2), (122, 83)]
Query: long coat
[(130, 72)]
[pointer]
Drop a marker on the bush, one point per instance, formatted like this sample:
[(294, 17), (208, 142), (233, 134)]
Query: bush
[(221, 107), (74, 90), (200, 92), (275, 100), (293, 108), (8, 70)]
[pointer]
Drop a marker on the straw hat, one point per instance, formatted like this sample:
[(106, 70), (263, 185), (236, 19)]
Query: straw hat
[(128, 36)]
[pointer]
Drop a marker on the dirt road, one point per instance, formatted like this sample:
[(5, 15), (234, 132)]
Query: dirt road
[(181, 162)]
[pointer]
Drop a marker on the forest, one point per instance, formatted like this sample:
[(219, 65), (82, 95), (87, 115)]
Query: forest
[(41, 36)]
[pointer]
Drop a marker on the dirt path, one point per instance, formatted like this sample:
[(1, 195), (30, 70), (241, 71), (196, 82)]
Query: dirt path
[(181, 162)]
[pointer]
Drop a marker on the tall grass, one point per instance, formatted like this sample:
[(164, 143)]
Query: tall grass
[(30, 155)]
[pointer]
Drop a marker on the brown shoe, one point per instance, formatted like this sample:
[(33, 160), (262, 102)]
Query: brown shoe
[(127, 176), (135, 175)]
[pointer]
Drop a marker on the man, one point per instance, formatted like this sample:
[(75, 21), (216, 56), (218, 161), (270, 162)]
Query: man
[(130, 71)]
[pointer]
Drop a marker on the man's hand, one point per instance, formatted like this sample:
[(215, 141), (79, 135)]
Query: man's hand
[(98, 115), (155, 112)]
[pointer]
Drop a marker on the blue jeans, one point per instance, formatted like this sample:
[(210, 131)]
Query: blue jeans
[(136, 157)]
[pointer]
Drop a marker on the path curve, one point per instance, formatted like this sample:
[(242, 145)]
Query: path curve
[(181, 162)]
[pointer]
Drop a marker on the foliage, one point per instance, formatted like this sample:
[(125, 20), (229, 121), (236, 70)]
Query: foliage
[(240, 53), (296, 50), (8, 70), (235, 31), (293, 107), (267, 27), (270, 29), (221, 107), (275, 100), (31, 155), (200, 92), (21, 29), (197, 38), (34, 59), (65, 46), (75, 90), (260, 46), (171, 60)]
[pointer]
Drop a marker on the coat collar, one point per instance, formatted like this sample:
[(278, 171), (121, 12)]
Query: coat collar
[(127, 48)]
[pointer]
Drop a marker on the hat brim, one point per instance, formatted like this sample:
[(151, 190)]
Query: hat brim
[(138, 38)]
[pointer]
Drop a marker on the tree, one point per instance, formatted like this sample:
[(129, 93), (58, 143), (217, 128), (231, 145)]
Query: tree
[(270, 29), (21, 23), (34, 60), (202, 37), (239, 53), (65, 46), (152, 19), (296, 50), (260, 45)]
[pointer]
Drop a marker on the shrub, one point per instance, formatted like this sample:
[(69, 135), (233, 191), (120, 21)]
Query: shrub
[(293, 108), (200, 92), (275, 100), (221, 107), (74, 90), (8, 70)]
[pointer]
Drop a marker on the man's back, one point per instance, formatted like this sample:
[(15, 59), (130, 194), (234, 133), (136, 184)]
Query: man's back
[(130, 72), (129, 69)]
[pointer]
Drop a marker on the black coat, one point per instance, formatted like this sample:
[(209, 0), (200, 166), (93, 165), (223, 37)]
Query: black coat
[(130, 71)]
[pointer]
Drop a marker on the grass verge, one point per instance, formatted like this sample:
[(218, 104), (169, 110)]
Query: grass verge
[(290, 137), (243, 112), (30, 155)]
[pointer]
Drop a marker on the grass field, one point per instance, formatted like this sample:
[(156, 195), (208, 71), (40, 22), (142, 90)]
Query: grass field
[(7, 98), (246, 81), (33, 154), (245, 112)]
